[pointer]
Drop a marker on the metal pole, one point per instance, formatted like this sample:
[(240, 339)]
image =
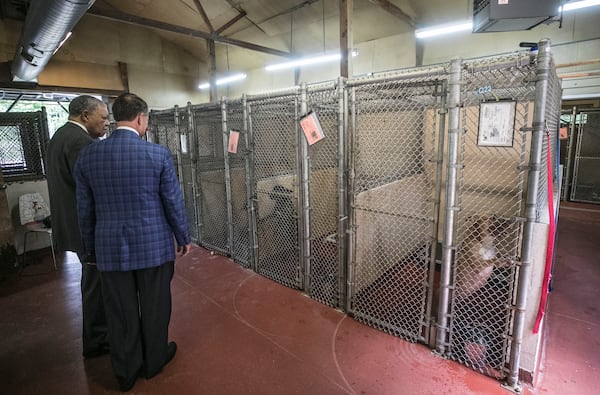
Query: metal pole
[(567, 169), (227, 176), (193, 145), (342, 193), (576, 160), (178, 150), (248, 156), (251, 180), (454, 103), (350, 126), (436, 203), (44, 138), (533, 184), (304, 220)]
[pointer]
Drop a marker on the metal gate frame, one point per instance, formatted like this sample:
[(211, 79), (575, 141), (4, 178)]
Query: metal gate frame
[(586, 152), (282, 181), (544, 125), (391, 272)]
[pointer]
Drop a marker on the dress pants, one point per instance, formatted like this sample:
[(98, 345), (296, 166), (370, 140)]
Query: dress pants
[(95, 328), (138, 311)]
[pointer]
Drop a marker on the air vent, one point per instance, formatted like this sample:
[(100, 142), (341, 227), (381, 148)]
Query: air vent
[(512, 15)]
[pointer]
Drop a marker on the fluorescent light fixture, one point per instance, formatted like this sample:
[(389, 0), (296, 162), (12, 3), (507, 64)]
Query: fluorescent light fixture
[(579, 4), (62, 42), (307, 61), (443, 29), (224, 80)]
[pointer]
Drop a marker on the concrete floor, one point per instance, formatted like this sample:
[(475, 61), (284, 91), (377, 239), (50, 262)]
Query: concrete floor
[(240, 333)]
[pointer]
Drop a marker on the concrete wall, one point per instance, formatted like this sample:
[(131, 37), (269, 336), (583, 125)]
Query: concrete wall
[(402, 234)]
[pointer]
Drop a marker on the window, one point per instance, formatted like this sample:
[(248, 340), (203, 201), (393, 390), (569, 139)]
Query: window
[(11, 147), (23, 140)]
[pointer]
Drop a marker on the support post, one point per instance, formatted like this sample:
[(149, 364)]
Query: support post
[(454, 104), (533, 184)]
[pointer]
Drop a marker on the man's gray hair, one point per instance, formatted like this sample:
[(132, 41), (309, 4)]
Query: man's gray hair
[(83, 103)]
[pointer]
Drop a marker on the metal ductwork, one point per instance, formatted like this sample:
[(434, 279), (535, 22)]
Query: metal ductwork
[(47, 24)]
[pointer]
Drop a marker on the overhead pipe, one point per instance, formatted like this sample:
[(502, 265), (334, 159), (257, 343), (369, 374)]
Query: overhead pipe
[(46, 26)]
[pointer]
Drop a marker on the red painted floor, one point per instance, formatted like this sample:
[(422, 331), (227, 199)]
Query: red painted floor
[(240, 333)]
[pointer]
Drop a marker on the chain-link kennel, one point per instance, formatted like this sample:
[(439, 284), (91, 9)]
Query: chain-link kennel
[(393, 124), (210, 178), (273, 124), (586, 182), (414, 214), (237, 163)]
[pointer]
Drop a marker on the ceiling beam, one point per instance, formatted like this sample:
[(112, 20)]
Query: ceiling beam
[(231, 22), (154, 24), (204, 15), (395, 11), (289, 10), (236, 6)]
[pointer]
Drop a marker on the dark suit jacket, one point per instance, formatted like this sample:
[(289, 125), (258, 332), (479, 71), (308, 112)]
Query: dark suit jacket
[(63, 150), (129, 203)]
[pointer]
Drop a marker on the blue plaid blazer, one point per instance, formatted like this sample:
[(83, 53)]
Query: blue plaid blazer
[(129, 203)]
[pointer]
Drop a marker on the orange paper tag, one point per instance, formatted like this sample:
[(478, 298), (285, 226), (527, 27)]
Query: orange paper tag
[(234, 137), (312, 128), (563, 133)]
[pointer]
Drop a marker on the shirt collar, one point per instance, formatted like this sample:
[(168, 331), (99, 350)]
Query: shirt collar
[(130, 129), (78, 124)]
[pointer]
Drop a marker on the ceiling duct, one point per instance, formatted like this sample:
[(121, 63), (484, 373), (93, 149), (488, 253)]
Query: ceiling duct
[(512, 15), (46, 26)]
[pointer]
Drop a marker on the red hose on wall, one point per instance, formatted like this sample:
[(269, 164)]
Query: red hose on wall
[(550, 246)]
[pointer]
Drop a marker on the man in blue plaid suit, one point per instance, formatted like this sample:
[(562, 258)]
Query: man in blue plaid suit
[(130, 210)]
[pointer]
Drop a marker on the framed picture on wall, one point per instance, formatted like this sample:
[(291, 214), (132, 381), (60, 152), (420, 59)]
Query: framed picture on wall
[(496, 123)]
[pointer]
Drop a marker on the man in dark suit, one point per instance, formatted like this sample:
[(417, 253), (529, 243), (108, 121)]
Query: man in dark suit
[(130, 210), (88, 121)]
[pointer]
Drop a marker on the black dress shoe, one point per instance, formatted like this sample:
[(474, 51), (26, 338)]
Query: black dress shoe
[(102, 350), (171, 350), (126, 385)]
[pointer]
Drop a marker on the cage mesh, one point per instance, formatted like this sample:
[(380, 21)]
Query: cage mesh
[(239, 194), (391, 158), (586, 182), (170, 128), (393, 129), (187, 170), (273, 123), (210, 174), (324, 268), (490, 199)]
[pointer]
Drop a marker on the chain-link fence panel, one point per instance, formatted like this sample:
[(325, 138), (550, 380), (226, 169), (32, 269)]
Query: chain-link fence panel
[(163, 130), (210, 173), (171, 128), (23, 141), (497, 95), (239, 193), (586, 179), (325, 277), (394, 123), (273, 124), (187, 169), (553, 101)]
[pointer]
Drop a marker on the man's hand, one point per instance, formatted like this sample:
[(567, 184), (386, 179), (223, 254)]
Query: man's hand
[(183, 250)]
